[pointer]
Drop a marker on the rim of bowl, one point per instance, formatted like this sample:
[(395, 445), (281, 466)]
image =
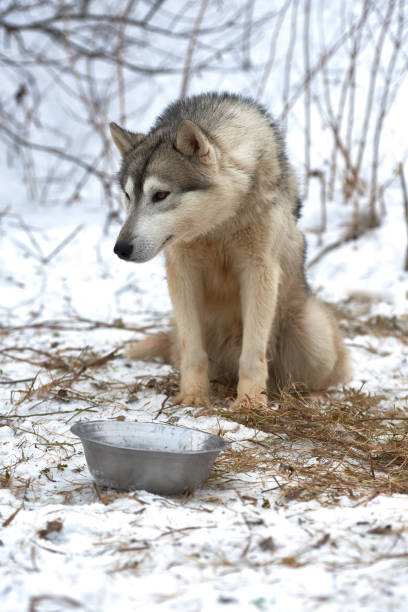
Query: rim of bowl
[(223, 443)]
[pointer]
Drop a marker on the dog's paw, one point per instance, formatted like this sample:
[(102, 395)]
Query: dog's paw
[(250, 401), (192, 399)]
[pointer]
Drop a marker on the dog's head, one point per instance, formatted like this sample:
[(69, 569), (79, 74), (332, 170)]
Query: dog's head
[(171, 188)]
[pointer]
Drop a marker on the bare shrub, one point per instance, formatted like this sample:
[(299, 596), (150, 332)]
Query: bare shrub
[(71, 67), (332, 74)]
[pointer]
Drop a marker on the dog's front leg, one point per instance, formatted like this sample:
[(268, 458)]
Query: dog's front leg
[(259, 294), (186, 292)]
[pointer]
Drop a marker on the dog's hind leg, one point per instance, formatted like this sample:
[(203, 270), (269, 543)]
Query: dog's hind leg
[(159, 345), (310, 351)]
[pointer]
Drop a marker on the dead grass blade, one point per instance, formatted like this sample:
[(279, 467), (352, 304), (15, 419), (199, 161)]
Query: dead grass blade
[(331, 447), (8, 520)]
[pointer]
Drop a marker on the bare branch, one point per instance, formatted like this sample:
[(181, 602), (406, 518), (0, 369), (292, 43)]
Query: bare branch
[(191, 47), (405, 203)]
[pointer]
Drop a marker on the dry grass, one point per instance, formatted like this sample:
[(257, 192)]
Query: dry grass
[(325, 447), (317, 446), (375, 325)]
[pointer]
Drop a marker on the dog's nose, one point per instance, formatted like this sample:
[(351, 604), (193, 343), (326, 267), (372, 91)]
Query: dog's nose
[(123, 249)]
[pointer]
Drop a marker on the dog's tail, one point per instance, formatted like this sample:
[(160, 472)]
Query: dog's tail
[(158, 345)]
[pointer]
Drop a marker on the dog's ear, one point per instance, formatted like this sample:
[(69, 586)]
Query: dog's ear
[(192, 142), (124, 140)]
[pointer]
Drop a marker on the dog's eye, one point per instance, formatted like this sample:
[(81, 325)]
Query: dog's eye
[(160, 195), (127, 196)]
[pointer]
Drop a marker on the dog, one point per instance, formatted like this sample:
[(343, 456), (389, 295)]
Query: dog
[(210, 184)]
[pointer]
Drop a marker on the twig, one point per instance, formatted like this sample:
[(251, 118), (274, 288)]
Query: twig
[(272, 49), (327, 249), (181, 530), (17, 139), (57, 601), (307, 97), (41, 414), (159, 412), (8, 520), (119, 63), (247, 33), (95, 362), (133, 548), (68, 326), (64, 243), (370, 96), (384, 108), (151, 12), (288, 65), (405, 203), (15, 382), (191, 47), (68, 382)]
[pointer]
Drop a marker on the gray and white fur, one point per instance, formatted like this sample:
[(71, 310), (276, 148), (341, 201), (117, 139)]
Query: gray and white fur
[(211, 185)]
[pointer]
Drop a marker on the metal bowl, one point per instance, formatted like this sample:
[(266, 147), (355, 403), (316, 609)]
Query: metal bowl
[(164, 459)]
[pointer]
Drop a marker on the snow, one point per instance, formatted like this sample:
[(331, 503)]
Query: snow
[(372, 265), (236, 543), (233, 544)]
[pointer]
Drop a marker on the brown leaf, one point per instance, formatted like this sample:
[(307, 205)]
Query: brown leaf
[(267, 544), (51, 527), (381, 530)]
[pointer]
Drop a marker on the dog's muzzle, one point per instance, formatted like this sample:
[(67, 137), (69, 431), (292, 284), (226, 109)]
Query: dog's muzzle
[(139, 250), (123, 249)]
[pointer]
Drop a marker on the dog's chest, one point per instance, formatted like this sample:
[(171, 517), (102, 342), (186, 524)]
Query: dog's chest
[(219, 275)]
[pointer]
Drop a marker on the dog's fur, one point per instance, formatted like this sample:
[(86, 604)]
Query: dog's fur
[(211, 184)]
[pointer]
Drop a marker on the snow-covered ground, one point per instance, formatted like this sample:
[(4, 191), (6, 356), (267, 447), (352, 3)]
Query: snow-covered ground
[(235, 544), (240, 542)]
